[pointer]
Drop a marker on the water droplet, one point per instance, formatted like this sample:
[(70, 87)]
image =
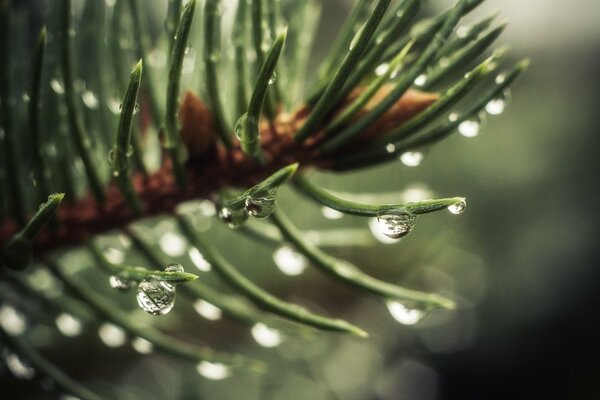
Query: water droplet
[(421, 80), (89, 99), (114, 105), (57, 86), (406, 313), (233, 218), (462, 31), (12, 321), (17, 366), (198, 259), (266, 336), (289, 261), (136, 108), (356, 37), (188, 48), (453, 117), (273, 78), (174, 267), (396, 224), (142, 346), (114, 255), (213, 371), (68, 325), (118, 283), (382, 69), (156, 297), (261, 206), (458, 208), (500, 79), (240, 125), (498, 105), (207, 310), (172, 244), (112, 335), (390, 148), (469, 128), (330, 213), (412, 158)]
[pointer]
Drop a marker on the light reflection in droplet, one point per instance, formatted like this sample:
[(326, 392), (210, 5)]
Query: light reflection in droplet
[(405, 314), (377, 234)]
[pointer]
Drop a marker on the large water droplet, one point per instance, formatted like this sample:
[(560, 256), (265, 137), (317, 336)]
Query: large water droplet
[(421, 80), (112, 335), (57, 85), (330, 213), (156, 297), (12, 321), (396, 224), (198, 259), (142, 346), (289, 261), (207, 310), (89, 99), (406, 313), (412, 158), (458, 208), (213, 371), (118, 283), (68, 325), (172, 244), (233, 218), (17, 366), (266, 336), (261, 206)]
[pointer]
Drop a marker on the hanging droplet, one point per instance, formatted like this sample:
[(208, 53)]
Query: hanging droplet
[(233, 218), (406, 313), (142, 346), (57, 86), (112, 335), (89, 99), (156, 297), (412, 158), (266, 336), (498, 105), (17, 366), (240, 125), (12, 321), (421, 80), (330, 213), (469, 128), (118, 283), (68, 325), (213, 371), (207, 310), (396, 224), (289, 261), (382, 69), (273, 78), (458, 208), (261, 206), (172, 244), (198, 259)]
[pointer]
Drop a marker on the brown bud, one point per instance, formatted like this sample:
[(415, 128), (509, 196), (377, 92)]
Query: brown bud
[(197, 126)]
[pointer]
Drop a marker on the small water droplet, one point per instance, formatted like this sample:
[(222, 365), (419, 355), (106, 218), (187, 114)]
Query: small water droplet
[(498, 105), (68, 325), (207, 310), (112, 335), (396, 224), (289, 261), (172, 244), (119, 283), (188, 48), (261, 206), (240, 125), (57, 85), (469, 128), (89, 99), (458, 208), (382, 69), (233, 218), (330, 213), (142, 346), (156, 297), (406, 313), (174, 267), (136, 108), (266, 336), (198, 259), (421, 80), (213, 371), (412, 158), (500, 79), (453, 117), (273, 78), (356, 37), (462, 31), (17, 366), (390, 148), (12, 321)]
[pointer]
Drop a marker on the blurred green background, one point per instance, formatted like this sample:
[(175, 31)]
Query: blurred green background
[(521, 262)]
